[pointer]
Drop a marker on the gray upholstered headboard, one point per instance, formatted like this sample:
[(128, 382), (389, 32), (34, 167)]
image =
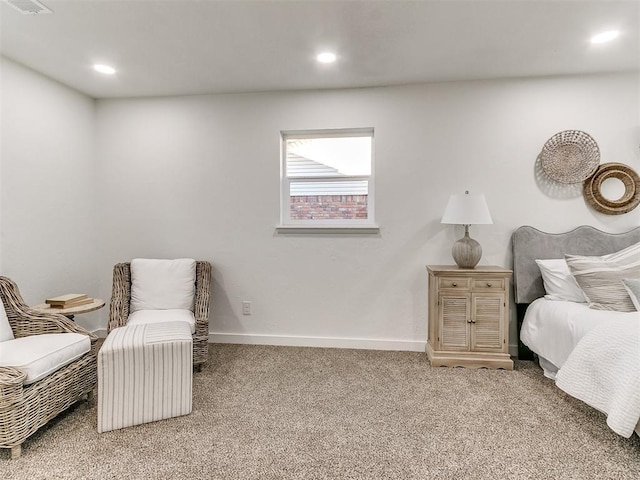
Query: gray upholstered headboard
[(529, 244)]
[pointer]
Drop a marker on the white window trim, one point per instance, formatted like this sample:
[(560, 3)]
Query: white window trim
[(358, 226), (329, 229)]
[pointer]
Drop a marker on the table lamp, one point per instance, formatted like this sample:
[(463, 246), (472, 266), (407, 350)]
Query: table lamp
[(467, 209)]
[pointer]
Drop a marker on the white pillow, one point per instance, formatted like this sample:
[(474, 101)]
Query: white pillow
[(633, 288), (600, 278), (558, 281), (162, 284), (5, 327)]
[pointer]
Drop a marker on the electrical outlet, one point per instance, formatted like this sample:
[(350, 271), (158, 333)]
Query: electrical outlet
[(246, 307)]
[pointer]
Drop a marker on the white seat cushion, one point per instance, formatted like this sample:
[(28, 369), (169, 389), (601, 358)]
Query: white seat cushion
[(158, 284), (5, 327), (41, 355), (163, 316)]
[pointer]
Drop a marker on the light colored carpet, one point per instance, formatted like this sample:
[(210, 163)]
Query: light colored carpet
[(310, 413)]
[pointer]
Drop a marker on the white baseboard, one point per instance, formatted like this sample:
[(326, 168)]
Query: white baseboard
[(326, 342)]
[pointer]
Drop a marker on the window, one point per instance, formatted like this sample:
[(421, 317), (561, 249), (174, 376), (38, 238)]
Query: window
[(327, 179)]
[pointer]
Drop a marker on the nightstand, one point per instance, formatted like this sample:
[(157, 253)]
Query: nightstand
[(469, 317)]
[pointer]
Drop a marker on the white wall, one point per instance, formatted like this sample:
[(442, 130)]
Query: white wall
[(84, 185), (198, 176), (47, 165)]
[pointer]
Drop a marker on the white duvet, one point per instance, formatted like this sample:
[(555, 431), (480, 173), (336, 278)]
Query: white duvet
[(603, 370), (552, 328)]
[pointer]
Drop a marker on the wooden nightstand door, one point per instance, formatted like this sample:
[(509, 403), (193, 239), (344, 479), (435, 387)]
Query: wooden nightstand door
[(454, 322), (487, 330)]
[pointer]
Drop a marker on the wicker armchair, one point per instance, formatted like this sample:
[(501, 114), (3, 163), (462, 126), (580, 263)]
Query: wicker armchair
[(25, 408), (121, 297)]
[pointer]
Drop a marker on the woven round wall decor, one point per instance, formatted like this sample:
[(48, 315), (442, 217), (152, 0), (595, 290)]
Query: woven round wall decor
[(593, 189), (570, 156)]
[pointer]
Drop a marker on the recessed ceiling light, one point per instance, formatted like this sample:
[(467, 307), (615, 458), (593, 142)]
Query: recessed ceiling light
[(326, 57), (605, 36), (106, 69)]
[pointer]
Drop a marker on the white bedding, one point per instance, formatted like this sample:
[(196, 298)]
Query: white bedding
[(604, 371), (553, 328), (608, 356)]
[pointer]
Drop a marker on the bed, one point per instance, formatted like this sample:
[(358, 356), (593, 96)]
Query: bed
[(593, 355)]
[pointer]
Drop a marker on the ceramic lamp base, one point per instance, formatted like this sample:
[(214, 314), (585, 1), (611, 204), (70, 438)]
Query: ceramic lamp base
[(466, 252)]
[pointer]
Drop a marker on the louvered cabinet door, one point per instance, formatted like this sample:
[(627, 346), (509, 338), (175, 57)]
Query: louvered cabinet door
[(487, 325), (454, 322)]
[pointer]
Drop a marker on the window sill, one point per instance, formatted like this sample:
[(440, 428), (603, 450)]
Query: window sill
[(322, 229)]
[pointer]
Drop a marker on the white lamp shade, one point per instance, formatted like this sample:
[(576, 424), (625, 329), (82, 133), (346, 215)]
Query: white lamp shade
[(467, 209)]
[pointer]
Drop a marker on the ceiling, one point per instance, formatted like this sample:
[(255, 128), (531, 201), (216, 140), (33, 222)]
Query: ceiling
[(181, 47)]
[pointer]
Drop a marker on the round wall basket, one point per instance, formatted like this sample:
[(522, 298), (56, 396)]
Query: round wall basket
[(627, 202), (570, 156)]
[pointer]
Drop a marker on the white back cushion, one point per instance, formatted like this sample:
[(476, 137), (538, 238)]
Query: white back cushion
[(5, 328), (162, 284)]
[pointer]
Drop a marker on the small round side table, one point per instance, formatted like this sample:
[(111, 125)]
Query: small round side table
[(97, 304)]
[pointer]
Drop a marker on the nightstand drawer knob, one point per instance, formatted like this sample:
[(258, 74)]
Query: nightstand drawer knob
[(489, 285), (454, 284)]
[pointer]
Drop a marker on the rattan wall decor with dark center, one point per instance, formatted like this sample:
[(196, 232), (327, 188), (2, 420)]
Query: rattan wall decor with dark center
[(570, 156), (593, 189)]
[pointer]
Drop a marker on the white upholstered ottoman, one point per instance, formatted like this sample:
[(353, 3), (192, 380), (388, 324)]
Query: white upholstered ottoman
[(145, 374)]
